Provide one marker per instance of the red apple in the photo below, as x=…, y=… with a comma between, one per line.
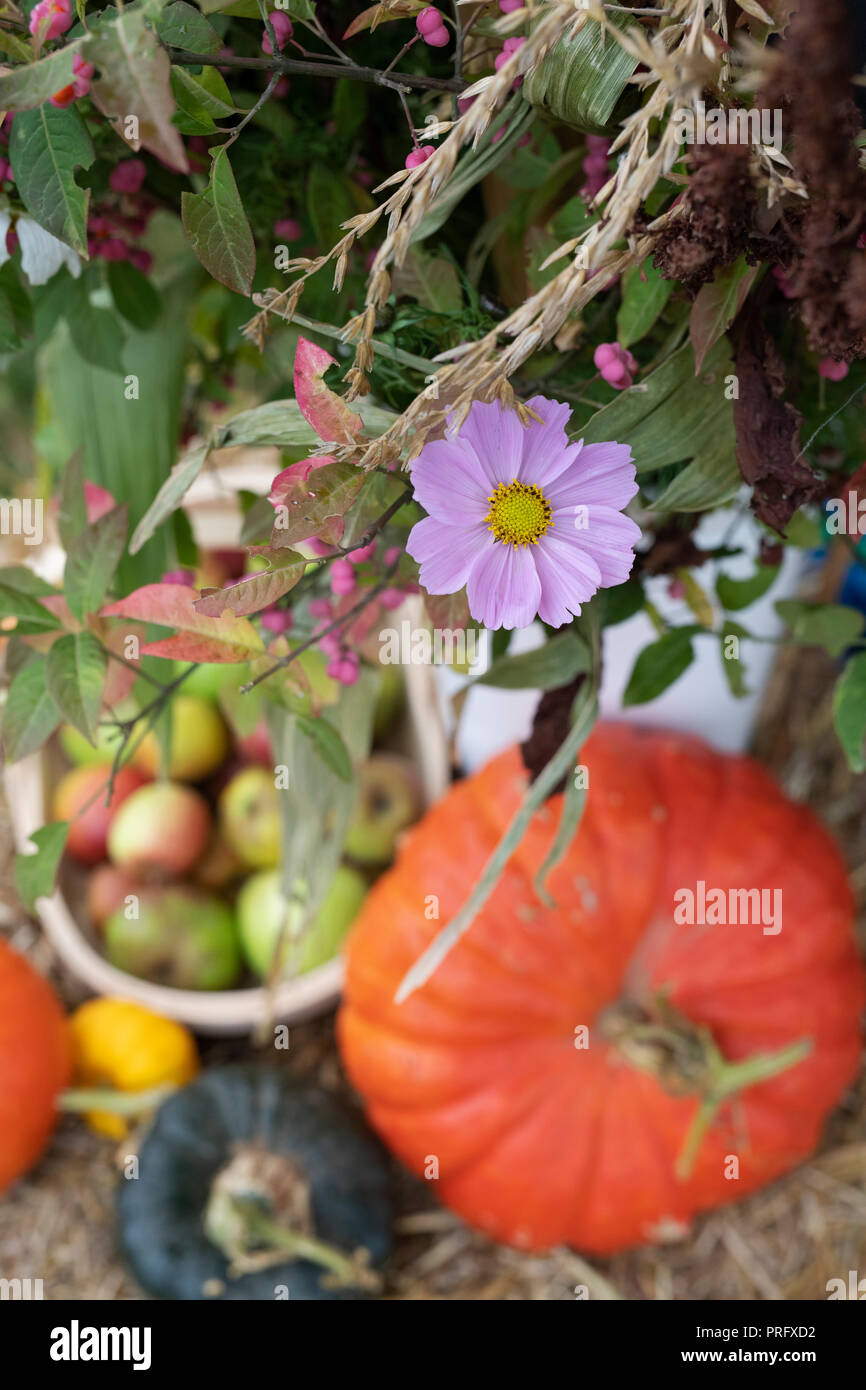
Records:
x=256, y=747
x=89, y=828
x=160, y=831
x=107, y=890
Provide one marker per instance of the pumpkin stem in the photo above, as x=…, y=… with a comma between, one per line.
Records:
x=684, y=1058
x=76, y=1100
x=259, y=1214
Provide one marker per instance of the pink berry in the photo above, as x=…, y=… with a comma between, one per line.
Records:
x=57, y=13
x=464, y=103
x=392, y=554
x=511, y=45
x=345, y=668
x=283, y=31
x=391, y=598
x=64, y=97
x=321, y=608
x=509, y=6
x=288, y=228
x=141, y=259
x=831, y=369
x=364, y=552
x=437, y=38
x=342, y=577
x=128, y=176
x=177, y=577
x=428, y=20
x=5, y=170
x=276, y=619
x=419, y=156
x=616, y=364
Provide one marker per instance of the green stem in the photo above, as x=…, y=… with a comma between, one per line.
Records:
x=80, y=1100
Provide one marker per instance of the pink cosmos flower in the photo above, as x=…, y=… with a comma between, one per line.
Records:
x=529, y=522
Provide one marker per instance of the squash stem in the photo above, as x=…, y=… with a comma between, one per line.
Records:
x=78, y=1100
x=261, y=1230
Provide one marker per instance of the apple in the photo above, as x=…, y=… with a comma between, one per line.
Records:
x=207, y=678
x=218, y=865
x=256, y=747
x=107, y=890
x=160, y=830
x=249, y=817
x=389, y=800
x=199, y=741
x=89, y=828
x=179, y=937
x=82, y=752
x=389, y=701
x=261, y=913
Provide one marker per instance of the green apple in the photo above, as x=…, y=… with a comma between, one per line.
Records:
x=249, y=817
x=199, y=741
x=262, y=910
x=82, y=752
x=389, y=800
x=180, y=937
x=389, y=701
x=207, y=679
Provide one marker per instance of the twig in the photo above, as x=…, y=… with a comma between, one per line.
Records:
x=182, y=57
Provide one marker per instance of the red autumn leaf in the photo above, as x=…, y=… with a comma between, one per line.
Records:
x=285, y=483
x=321, y=407
x=98, y=501
x=199, y=637
x=256, y=591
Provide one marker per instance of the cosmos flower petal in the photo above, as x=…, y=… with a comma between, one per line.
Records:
x=603, y=473
x=547, y=450
x=445, y=553
x=496, y=435
x=446, y=477
x=607, y=536
x=504, y=589
x=569, y=577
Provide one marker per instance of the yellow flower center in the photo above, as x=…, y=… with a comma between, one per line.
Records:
x=519, y=513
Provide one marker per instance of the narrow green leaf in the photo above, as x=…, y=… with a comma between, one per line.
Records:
x=32, y=616
x=545, y=668
x=135, y=298
x=91, y=562
x=170, y=496
x=46, y=146
x=328, y=744
x=30, y=716
x=735, y=594
x=35, y=873
x=717, y=305
x=832, y=626
x=644, y=295
x=218, y=230
x=849, y=711
x=732, y=666
x=659, y=665
x=584, y=712
x=582, y=78
x=74, y=678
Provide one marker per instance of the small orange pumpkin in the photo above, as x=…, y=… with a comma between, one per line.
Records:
x=35, y=1061
x=696, y=1034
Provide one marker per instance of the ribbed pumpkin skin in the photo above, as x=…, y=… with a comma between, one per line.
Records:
x=540, y=1143
x=35, y=1058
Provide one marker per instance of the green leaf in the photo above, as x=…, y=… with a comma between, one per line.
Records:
x=584, y=712
x=72, y=510
x=644, y=295
x=328, y=744
x=32, y=616
x=74, y=678
x=516, y=118
x=30, y=715
x=92, y=561
x=183, y=26
x=622, y=602
x=204, y=96
x=170, y=495
x=16, y=311
x=135, y=297
x=25, y=87
x=546, y=668
x=35, y=873
x=134, y=80
x=849, y=711
x=581, y=79
x=659, y=665
x=46, y=146
x=316, y=507
x=218, y=230
x=328, y=203
x=675, y=419
x=832, y=626
x=717, y=305
x=258, y=590
x=732, y=666
x=97, y=335
x=349, y=107
x=432, y=280
x=735, y=594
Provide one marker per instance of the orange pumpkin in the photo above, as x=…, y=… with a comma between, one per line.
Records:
x=35, y=1060
x=482, y=1077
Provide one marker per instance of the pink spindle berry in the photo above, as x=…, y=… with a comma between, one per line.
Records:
x=431, y=27
x=57, y=13
x=508, y=48
x=464, y=103
x=420, y=155
x=289, y=229
x=128, y=176
x=831, y=369
x=391, y=598
x=64, y=97
x=345, y=668
x=178, y=577
x=342, y=577
x=364, y=552
x=276, y=619
x=509, y=6
x=5, y=170
x=283, y=31
x=595, y=165
x=616, y=364
x=321, y=608
x=83, y=73
x=392, y=554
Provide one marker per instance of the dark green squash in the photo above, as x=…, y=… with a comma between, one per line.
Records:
x=247, y=1149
